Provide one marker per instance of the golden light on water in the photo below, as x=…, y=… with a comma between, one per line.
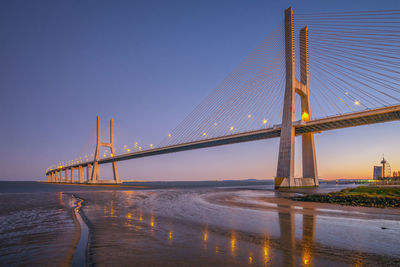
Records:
x=140, y=216
x=170, y=235
x=152, y=221
x=233, y=242
x=251, y=258
x=306, y=258
x=266, y=251
x=129, y=216
x=112, y=211
x=205, y=237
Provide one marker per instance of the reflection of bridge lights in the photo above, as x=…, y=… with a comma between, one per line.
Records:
x=251, y=258
x=357, y=103
x=205, y=237
x=266, y=251
x=129, y=216
x=170, y=235
x=152, y=221
x=233, y=242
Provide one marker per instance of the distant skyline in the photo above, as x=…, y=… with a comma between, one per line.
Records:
x=148, y=64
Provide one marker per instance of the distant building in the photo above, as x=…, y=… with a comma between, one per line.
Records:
x=377, y=172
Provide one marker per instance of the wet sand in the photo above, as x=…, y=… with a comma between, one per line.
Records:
x=225, y=227
x=36, y=229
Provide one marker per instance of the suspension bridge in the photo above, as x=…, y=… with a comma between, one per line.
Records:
x=348, y=74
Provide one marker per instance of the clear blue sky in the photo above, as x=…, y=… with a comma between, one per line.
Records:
x=147, y=64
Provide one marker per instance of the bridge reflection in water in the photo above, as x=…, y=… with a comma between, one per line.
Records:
x=144, y=228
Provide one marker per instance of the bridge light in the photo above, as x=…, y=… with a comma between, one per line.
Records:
x=151, y=145
x=232, y=128
x=204, y=134
x=357, y=103
x=215, y=124
x=249, y=116
x=111, y=154
x=347, y=93
x=128, y=150
x=305, y=116
x=264, y=121
x=169, y=135
x=140, y=148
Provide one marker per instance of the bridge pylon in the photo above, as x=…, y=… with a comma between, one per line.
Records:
x=285, y=172
x=95, y=174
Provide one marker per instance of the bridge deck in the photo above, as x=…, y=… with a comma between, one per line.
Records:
x=372, y=116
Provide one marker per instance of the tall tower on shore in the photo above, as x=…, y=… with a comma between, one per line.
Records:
x=285, y=172
x=95, y=176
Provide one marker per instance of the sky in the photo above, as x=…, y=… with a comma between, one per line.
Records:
x=148, y=64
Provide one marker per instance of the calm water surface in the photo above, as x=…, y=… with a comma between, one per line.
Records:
x=193, y=226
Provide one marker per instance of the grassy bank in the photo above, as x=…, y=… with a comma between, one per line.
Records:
x=366, y=196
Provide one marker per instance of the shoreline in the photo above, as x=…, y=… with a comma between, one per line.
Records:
x=361, y=196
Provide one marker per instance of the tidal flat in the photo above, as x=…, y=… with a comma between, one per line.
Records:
x=195, y=226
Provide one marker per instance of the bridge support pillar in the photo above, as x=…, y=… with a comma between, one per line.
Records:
x=88, y=172
x=285, y=172
x=81, y=175
x=72, y=175
x=67, y=178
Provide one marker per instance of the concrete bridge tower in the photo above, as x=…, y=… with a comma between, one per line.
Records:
x=285, y=172
x=95, y=175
